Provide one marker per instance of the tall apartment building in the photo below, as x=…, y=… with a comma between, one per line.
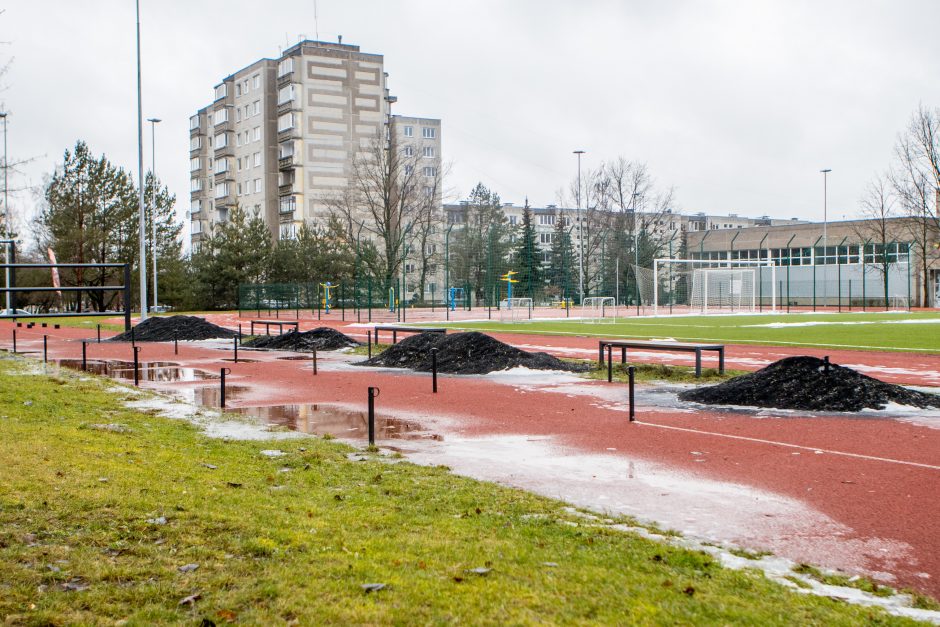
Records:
x=283, y=136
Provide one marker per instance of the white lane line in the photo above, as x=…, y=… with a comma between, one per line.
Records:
x=785, y=444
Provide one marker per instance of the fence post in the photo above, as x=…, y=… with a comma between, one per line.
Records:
x=610, y=361
x=369, y=341
x=373, y=393
x=434, y=370
x=14, y=340
x=85, y=356
x=99, y=334
x=314, y=360
x=176, y=343
x=223, y=372
x=45, y=348
x=235, y=346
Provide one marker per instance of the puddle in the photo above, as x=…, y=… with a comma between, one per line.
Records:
x=240, y=360
x=158, y=371
x=322, y=419
x=209, y=396
x=296, y=358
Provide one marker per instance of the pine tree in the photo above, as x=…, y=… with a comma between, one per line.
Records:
x=527, y=257
x=171, y=271
x=480, y=247
x=562, y=264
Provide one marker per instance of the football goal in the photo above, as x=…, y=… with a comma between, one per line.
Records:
x=599, y=309
x=709, y=286
x=514, y=309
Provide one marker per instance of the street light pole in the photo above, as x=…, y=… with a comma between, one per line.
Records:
x=6, y=208
x=580, y=232
x=825, y=173
x=141, y=220
x=153, y=203
x=447, y=272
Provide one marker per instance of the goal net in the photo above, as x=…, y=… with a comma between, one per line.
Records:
x=513, y=309
x=599, y=309
x=728, y=289
x=708, y=286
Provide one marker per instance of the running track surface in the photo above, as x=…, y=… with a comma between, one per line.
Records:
x=877, y=478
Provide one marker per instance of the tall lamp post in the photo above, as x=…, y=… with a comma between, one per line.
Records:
x=153, y=204
x=825, y=173
x=141, y=220
x=580, y=232
x=447, y=271
x=6, y=208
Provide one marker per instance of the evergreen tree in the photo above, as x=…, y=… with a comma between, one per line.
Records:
x=171, y=271
x=90, y=216
x=527, y=257
x=480, y=246
x=563, y=264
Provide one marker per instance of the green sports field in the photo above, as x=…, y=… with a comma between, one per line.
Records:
x=910, y=332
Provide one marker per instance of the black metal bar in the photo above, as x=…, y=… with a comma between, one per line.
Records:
x=80, y=288
x=45, y=348
x=99, y=334
x=136, y=365
x=314, y=360
x=235, y=346
x=133, y=337
x=610, y=362
x=84, y=355
x=721, y=360
x=224, y=372
x=826, y=363
x=83, y=314
x=373, y=392
x=631, y=377
x=698, y=362
x=176, y=343
x=369, y=341
x=14, y=340
x=127, y=297
x=61, y=265
x=434, y=370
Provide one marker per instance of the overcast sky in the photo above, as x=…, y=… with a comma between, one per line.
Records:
x=736, y=104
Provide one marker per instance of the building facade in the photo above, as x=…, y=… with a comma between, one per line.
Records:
x=282, y=136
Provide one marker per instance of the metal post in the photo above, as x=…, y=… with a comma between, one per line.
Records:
x=136, y=365
x=99, y=334
x=826, y=364
x=176, y=343
x=314, y=360
x=369, y=284
x=580, y=233
x=153, y=202
x=14, y=340
x=631, y=377
x=85, y=356
x=373, y=393
x=141, y=220
x=434, y=370
x=127, y=297
x=369, y=341
x=45, y=348
x=223, y=372
x=610, y=367
x=6, y=209
x=235, y=347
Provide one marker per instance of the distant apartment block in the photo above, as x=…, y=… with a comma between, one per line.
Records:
x=282, y=136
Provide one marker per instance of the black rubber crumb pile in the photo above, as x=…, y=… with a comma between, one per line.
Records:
x=168, y=328
x=322, y=339
x=465, y=353
x=804, y=383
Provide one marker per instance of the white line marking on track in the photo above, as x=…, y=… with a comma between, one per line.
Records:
x=788, y=445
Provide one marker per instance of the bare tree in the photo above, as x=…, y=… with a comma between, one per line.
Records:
x=878, y=209
x=387, y=197
x=916, y=182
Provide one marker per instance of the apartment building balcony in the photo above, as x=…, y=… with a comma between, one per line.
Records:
x=288, y=133
x=287, y=163
x=287, y=106
x=228, y=150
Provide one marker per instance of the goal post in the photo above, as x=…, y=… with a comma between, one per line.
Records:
x=513, y=309
x=708, y=284
x=597, y=308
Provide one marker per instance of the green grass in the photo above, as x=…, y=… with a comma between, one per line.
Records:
x=880, y=331
x=661, y=372
x=294, y=538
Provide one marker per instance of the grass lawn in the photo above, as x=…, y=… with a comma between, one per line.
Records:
x=868, y=331
x=151, y=522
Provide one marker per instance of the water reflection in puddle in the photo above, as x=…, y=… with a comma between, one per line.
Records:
x=209, y=396
x=157, y=371
x=327, y=419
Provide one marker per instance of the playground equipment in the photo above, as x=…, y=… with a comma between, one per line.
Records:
x=509, y=281
x=327, y=299
x=454, y=295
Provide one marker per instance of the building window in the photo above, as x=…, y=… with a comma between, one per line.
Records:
x=409, y=169
x=195, y=185
x=221, y=190
x=257, y=133
x=220, y=116
x=194, y=122
x=428, y=151
x=285, y=67
x=430, y=171
x=409, y=131
x=194, y=164
x=428, y=133
x=195, y=206
x=245, y=86
x=429, y=191
x=257, y=186
x=285, y=149
x=220, y=91
x=221, y=166
x=409, y=151
x=545, y=238
x=285, y=122
x=256, y=107
x=195, y=143
x=238, y=139
x=285, y=94
x=239, y=192
x=221, y=140
x=257, y=80
x=287, y=204
x=238, y=89
x=257, y=158
x=288, y=231
x=546, y=219
x=512, y=220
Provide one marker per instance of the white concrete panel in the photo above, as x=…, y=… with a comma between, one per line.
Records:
x=316, y=98
x=319, y=125
x=320, y=153
x=367, y=65
x=325, y=168
x=371, y=130
x=365, y=76
x=338, y=72
x=322, y=84
x=365, y=102
x=327, y=112
x=327, y=140
x=370, y=90
x=328, y=181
